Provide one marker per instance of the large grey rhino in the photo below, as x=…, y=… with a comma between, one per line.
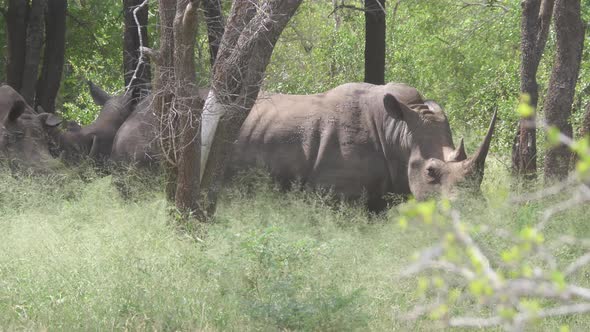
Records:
x=358, y=139
x=23, y=132
x=96, y=139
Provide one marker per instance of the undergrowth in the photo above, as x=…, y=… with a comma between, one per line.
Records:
x=75, y=254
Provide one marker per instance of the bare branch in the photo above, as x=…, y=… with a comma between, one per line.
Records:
x=578, y=264
x=153, y=54
x=487, y=4
x=140, y=60
x=474, y=250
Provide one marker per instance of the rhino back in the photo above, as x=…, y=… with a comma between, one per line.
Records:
x=330, y=140
x=135, y=141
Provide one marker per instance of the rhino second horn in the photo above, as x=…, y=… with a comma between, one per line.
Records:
x=459, y=154
x=94, y=149
x=479, y=158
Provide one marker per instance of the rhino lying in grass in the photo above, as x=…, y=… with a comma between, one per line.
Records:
x=359, y=139
x=96, y=139
x=136, y=141
x=24, y=140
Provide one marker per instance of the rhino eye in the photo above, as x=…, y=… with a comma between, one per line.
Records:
x=433, y=174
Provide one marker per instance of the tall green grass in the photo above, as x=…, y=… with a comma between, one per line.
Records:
x=75, y=255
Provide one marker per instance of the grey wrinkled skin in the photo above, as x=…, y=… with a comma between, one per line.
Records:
x=358, y=139
x=23, y=133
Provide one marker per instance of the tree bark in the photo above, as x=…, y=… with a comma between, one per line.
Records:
x=251, y=33
x=375, y=41
x=569, y=29
x=163, y=92
x=35, y=33
x=585, y=129
x=16, y=27
x=131, y=45
x=215, y=26
x=53, y=57
x=188, y=106
x=536, y=19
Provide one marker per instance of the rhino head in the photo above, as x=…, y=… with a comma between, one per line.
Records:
x=95, y=140
x=24, y=141
x=435, y=166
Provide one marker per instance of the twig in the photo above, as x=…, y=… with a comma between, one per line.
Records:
x=544, y=193
x=577, y=264
x=472, y=248
x=485, y=4
x=140, y=61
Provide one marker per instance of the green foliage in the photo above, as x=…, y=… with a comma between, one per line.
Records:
x=525, y=254
x=465, y=58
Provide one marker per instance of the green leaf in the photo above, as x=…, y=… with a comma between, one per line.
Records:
x=524, y=108
x=439, y=312
x=553, y=135
x=559, y=279
x=403, y=223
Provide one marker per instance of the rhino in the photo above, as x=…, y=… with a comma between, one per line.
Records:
x=96, y=139
x=24, y=139
x=136, y=141
x=360, y=140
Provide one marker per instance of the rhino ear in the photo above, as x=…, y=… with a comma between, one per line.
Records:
x=99, y=96
x=393, y=107
x=17, y=109
x=49, y=119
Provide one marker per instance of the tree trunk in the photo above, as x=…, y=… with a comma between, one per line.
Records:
x=131, y=45
x=188, y=105
x=53, y=57
x=585, y=130
x=162, y=92
x=569, y=29
x=245, y=52
x=215, y=26
x=536, y=19
x=375, y=41
x=35, y=33
x=16, y=27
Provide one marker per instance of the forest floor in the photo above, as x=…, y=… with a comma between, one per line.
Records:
x=75, y=255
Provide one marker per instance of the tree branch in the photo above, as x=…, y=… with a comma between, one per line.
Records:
x=140, y=60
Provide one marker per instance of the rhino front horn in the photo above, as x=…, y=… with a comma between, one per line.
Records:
x=477, y=161
x=459, y=154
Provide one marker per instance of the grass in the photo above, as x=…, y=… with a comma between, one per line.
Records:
x=75, y=255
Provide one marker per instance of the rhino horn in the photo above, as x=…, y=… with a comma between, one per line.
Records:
x=94, y=149
x=459, y=154
x=477, y=161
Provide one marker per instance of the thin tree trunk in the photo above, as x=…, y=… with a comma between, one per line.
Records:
x=246, y=49
x=215, y=26
x=35, y=33
x=585, y=130
x=53, y=57
x=131, y=45
x=535, y=23
x=335, y=14
x=162, y=92
x=16, y=27
x=188, y=105
x=569, y=29
x=375, y=41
